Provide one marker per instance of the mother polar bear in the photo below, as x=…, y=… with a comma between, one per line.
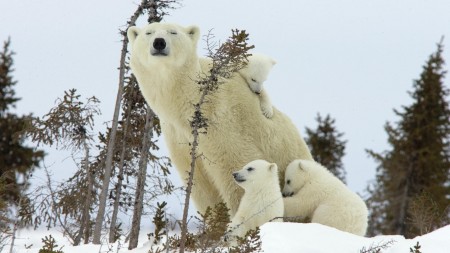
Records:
x=165, y=62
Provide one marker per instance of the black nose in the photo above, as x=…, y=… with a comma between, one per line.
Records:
x=235, y=174
x=159, y=44
x=287, y=194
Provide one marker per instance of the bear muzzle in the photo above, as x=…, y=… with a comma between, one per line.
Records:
x=287, y=194
x=159, y=47
x=238, y=178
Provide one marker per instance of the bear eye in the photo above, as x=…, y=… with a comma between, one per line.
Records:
x=253, y=80
x=173, y=32
x=250, y=169
x=148, y=33
x=288, y=182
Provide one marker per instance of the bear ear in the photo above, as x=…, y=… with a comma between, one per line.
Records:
x=273, y=167
x=300, y=165
x=132, y=33
x=193, y=32
x=273, y=61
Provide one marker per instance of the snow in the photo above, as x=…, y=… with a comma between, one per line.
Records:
x=276, y=238
x=294, y=237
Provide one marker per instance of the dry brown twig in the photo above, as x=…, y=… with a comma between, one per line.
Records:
x=226, y=60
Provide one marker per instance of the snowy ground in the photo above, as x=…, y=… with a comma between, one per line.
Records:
x=276, y=238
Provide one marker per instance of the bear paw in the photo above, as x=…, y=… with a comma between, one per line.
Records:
x=267, y=110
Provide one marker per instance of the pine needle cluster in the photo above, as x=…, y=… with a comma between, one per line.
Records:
x=424, y=213
x=208, y=238
x=50, y=245
x=67, y=124
x=415, y=248
x=160, y=222
x=327, y=146
x=213, y=224
x=17, y=161
x=227, y=59
x=250, y=243
x=376, y=248
x=211, y=227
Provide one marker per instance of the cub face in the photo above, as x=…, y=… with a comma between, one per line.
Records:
x=295, y=177
x=256, y=173
x=158, y=43
x=257, y=71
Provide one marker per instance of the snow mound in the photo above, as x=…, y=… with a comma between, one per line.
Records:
x=276, y=237
x=295, y=237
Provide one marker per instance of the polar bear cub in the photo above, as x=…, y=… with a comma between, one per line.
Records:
x=313, y=192
x=262, y=201
x=255, y=74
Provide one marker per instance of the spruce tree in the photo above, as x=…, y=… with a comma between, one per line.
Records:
x=16, y=159
x=326, y=145
x=418, y=164
x=68, y=126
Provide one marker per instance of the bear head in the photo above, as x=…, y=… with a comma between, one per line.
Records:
x=257, y=70
x=256, y=174
x=162, y=43
x=297, y=174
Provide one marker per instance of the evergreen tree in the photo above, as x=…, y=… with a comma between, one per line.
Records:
x=326, y=146
x=418, y=163
x=16, y=159
x=69, y=125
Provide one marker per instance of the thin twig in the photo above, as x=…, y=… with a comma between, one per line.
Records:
x=227, y=59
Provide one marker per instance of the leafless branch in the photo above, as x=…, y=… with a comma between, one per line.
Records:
x=228, y=58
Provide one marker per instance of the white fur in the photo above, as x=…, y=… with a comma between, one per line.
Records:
x=255, y=74
x=237, y=132
x=262, y=201
x=320, y=196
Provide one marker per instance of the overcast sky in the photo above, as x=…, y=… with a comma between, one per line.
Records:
x=352, y=59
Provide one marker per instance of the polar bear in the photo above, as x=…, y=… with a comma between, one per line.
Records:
x=255, y=74
x=165, y=62
x=314, y=193
x=262, y=200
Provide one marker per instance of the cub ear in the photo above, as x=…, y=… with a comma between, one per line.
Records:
x=273, y=167
x=132, y=33
x=193, y=32
x=273, y=61
x=300, y=165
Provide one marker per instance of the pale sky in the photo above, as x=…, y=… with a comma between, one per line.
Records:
x=352, y=59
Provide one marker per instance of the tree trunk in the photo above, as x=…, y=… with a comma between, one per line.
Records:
x=85, y=214
x=88, y=203
x=194, y=147
x=139, y=197
x=401, y=219
x=62, y=223
x=112, y=228
x=77, y=239
x=109, y=157
x=108, y=164
x=120, y=176
x=13, y=235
